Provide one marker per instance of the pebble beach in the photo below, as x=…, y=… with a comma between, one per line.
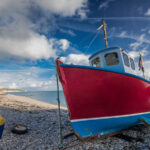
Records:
x=41, y=120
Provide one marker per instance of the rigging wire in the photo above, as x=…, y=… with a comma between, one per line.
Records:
x=91, y=42
x=89, y=36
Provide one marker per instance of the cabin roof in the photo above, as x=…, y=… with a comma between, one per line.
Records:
x=106, y=49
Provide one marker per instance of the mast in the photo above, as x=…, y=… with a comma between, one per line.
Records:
x=105, y=34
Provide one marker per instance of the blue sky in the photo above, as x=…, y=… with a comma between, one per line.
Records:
x=34, y=32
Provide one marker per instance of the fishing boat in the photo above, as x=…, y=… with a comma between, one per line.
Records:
x=108, y=95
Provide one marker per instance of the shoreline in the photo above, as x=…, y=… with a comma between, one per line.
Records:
x=38, y=116
x=34, y=101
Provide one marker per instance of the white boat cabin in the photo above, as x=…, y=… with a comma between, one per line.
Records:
x=113, y=59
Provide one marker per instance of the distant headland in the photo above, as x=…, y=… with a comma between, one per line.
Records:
x=3, y=90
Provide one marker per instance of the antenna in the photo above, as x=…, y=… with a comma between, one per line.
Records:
x=105, y=33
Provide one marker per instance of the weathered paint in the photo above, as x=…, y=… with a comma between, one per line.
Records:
x=103, y=126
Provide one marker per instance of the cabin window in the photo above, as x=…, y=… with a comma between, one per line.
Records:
x=126, y=59
x=111, y=59
x=96, y=62
x=132, y=63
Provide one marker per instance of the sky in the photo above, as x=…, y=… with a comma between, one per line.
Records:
x=33, y=33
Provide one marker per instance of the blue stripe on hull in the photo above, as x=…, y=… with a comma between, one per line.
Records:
x=86, y=128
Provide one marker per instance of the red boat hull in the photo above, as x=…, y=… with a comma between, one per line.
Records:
x=92, y=93
x=103, y=101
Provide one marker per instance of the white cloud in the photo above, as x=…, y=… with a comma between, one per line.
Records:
x=64, y=7
x=20, y=40
x=139, y=38
x=147, y=68
x=135, y=45
x=29, y=44
x=18, y=33
x=147, y=12
x=64, y=44
x=141, y=43
x=134, y=54
x=82, y=13
x=60, y=7
x=76, y=59
x=21, y=37
x=123, y=34
x=138, y=46
x=34, y=47
x=13, y=86
x=70, y=32
x=27, y=79
x=105, y=4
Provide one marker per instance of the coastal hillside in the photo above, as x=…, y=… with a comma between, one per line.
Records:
x=10, y=90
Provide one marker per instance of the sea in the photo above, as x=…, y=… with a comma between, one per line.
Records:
x=46, y=96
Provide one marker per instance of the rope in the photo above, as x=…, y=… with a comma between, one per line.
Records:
x=60, y=141
x=91, y=42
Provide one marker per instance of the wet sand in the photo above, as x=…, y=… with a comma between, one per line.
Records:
x=41, y=120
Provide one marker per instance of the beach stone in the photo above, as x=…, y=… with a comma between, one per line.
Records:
x=41, y=120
